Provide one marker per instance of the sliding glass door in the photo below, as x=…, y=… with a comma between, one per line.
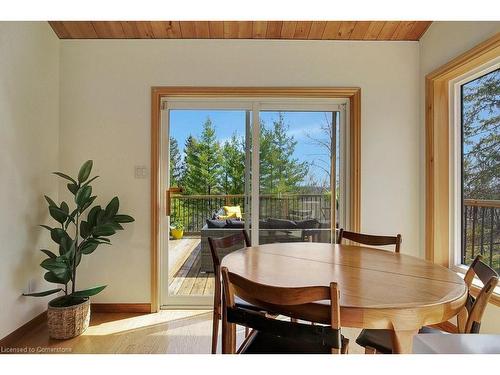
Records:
x=299, y=177
x=275, y=169
x=207, y=166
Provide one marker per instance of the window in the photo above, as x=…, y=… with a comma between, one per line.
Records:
x=475, y=187
x=444, y=224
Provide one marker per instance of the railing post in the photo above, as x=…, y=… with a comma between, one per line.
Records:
x=474, y=218
x=464, y=225
x=483, y=209
x=491, y=235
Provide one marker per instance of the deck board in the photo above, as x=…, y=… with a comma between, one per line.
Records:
x=179, y=252
x=189, y=280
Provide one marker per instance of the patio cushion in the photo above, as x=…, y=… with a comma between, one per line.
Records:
x=232, y=211
x=307, y=224
x=264, y=224
x=281, y=224
x=216, y=223
x=235, y=224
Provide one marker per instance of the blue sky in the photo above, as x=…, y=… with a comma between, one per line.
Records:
x=227, y=122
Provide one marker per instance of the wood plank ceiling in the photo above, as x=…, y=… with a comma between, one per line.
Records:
x=300, y=30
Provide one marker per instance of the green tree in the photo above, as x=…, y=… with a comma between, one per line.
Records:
x=279, y=171
x=203, y=162
x=175, y=163
x=191, y=165
x=233, y=165
x=481, y=136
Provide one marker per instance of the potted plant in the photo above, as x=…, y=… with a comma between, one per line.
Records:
x=78, y=232
x=177, y=229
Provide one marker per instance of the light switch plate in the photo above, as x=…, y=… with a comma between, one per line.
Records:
x=141, y=171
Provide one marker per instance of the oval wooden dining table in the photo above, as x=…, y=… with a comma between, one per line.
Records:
x=378, y=289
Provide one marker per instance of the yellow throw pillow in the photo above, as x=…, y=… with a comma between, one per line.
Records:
x=232, y=212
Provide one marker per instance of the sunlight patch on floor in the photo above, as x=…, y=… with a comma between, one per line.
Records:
x=168, y=319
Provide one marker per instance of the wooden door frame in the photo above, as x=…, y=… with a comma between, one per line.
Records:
x=157, y=93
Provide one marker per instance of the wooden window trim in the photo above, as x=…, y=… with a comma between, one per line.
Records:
x=157, y=93
x=437, y=148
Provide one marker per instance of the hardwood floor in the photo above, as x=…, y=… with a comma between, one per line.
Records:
x=168, y=331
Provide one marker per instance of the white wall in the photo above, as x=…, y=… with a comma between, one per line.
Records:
x=29, y=141
x=442, y=42
x=445, y=40
x=105, y=115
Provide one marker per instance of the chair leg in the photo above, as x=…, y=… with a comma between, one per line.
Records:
x=215, y=331
x=216, y=318
x=225, y=330
x=370, y=350
x=345, y=346
x=217, y=309
x=231, y=338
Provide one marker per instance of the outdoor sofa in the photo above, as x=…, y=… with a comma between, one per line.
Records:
x=271, y=230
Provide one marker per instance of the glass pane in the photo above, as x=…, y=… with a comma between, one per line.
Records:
x=481, y=169
x=295, y=175
x=207, y=160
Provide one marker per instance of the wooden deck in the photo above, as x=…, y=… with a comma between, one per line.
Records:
x=186, y=279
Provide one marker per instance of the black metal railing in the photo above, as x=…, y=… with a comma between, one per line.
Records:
x=481, y=231
x=193, y=210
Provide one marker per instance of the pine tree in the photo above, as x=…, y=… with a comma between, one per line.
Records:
x=191, y=165
x=175, y=163
x=203, y=162
x=279, y=171
x=481, y=133
x=233, y=165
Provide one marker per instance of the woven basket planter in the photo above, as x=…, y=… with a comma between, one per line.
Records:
x=68, y=322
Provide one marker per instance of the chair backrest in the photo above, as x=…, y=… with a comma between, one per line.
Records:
x=217, y=244
x=469, y=320
x=328, y=336
x=369, y=239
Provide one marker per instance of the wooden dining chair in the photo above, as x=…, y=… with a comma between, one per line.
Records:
x=468, y=320
x=274, y=336
x=217, y=245
x=369, y=239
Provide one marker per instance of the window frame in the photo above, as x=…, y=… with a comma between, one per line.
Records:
x=456, y=193
x=437, y=221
